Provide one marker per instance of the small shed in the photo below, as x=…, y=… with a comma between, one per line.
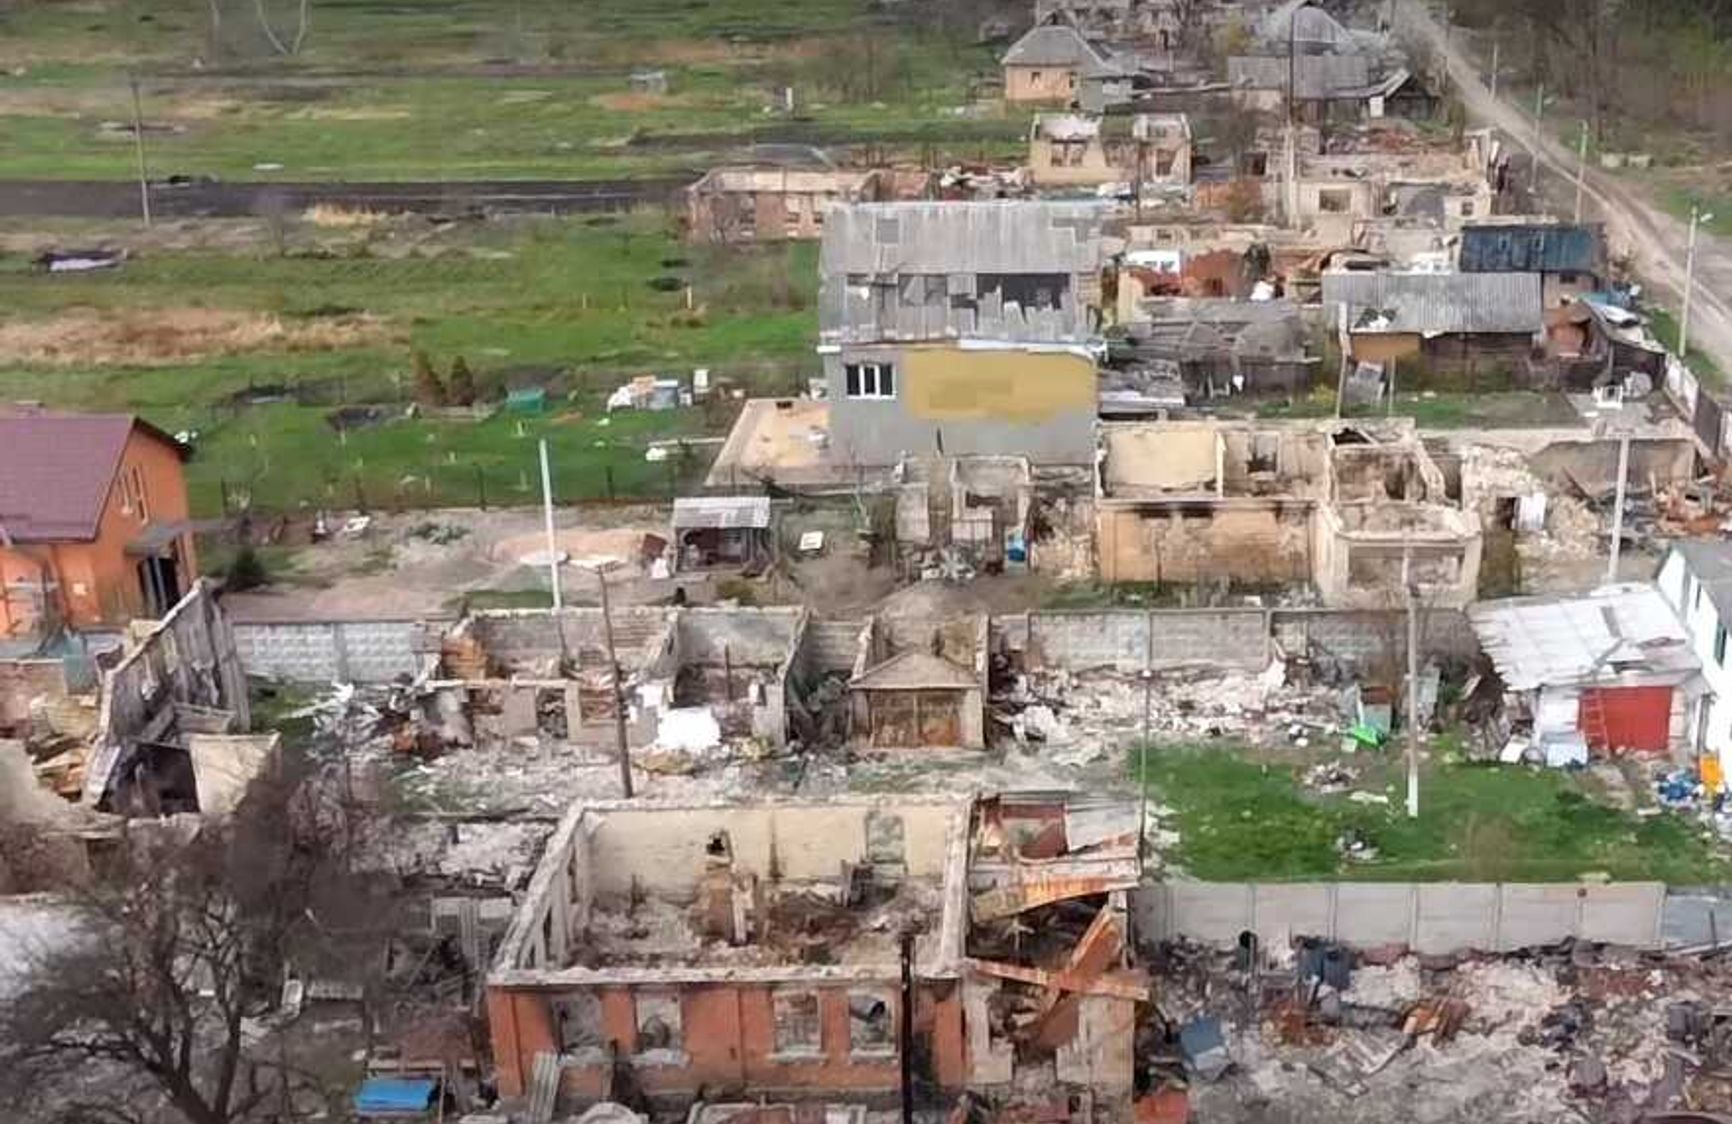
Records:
x=1609, y=671
x=722, y=533
x=917, y=700
x=396, y=1098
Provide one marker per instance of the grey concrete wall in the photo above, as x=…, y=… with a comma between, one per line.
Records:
x=1125, y=639
x=876, y=432
x=1435, y=917
x=1128, y=641
x=749, y=636
x=330, y=651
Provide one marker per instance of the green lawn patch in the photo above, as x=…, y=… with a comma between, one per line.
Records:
x=1241, y=817
x=1665, y=327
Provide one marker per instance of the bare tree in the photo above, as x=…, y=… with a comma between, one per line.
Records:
x=293, y=46
x=174, y=960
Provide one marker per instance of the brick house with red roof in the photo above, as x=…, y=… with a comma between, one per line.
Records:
x=94, y=527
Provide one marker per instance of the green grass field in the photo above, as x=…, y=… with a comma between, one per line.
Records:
x=1242, y=818
x=565, y=305
x=478, y=89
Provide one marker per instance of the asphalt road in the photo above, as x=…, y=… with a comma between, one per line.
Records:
x=118, y=199
x=1654, y=240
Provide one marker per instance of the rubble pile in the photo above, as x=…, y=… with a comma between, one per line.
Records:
x=1084, y=716
x=1576, y=1032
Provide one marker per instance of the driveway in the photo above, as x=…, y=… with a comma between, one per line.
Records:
x=1653, y=240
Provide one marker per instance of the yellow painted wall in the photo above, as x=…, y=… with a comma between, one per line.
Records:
x=946, y=384
x=1383, y=347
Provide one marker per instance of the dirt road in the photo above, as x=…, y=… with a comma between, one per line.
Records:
x=1653, y=239
x=116, y=198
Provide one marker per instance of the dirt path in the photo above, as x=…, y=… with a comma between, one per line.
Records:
x=1653, y=239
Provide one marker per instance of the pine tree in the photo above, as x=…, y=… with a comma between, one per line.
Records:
x=429, y=391
x=460, y=387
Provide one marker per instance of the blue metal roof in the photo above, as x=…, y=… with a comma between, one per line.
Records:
x=395, y=1096
x=1535, y=248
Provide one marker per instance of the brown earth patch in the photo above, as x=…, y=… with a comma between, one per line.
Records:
x=154, y=337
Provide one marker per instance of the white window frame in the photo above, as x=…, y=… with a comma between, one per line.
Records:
x=869, y=381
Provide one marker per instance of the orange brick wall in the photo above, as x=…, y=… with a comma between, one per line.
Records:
x=98, y=579
x=728, y=1035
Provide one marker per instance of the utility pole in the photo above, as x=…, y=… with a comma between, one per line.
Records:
x=138, y=151
x=1618, y=509
x=1539, y=115
x=1697, y=218
x=547, y=518
x=1581, y=168
x=1412, y=683
x=1292, y=63
x=1496, y=42
x=1143, y=767
x=618, y=694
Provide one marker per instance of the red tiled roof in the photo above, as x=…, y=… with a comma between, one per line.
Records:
x=56, y=471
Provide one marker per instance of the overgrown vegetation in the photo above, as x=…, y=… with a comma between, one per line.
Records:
x=288, y=419
x=1242, y=816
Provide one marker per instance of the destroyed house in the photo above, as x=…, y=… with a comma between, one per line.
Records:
x=1570, y=258
x=1437, y=322
x=173, y=730
x=960, y=329
x=1154, y=22
x=1327, y=87
x=1077, y=150
x=1224, y=347
x=1351, y=510
x=985, y=521
x=688, y=678
x=752, y=204
x=93, y=522
x=921, y=686
x=1050, y=988
x=722, y=532
x=758, y=948
x=1609, y=671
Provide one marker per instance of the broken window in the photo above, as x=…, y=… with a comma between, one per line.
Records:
x=799, y=1029
x=869, y=380
x=924, y=290
x=550, y=712
x=577, y=1018
x=1029, y=290
x=1467, y=208
x=1164, y=161
x=719, y=847
x=659, y=1023
x=884, y=839
x=871, y=1027
x=1069, y=153
x=1265, y=453
x=1334, y=200
x=1254, y=164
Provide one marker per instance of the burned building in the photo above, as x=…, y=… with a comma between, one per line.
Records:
x=798, y=949
x=1356, y=511
x=173, y=730
x=964, y=511
x=749, y=204
x=773, y=948
x=961, y=328
x=1080, y=150
x=1222, y=348
x=917, y=685
x=688, y=678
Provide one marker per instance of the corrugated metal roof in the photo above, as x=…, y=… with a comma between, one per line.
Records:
x=1005, y=236
x=1537, y=247
x=1314, y=76
x=1437, y=303
x=1550, y=641
x=721, y=512
x=1297, y=22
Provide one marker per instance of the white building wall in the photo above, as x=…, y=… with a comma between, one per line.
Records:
x=1709, y=725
